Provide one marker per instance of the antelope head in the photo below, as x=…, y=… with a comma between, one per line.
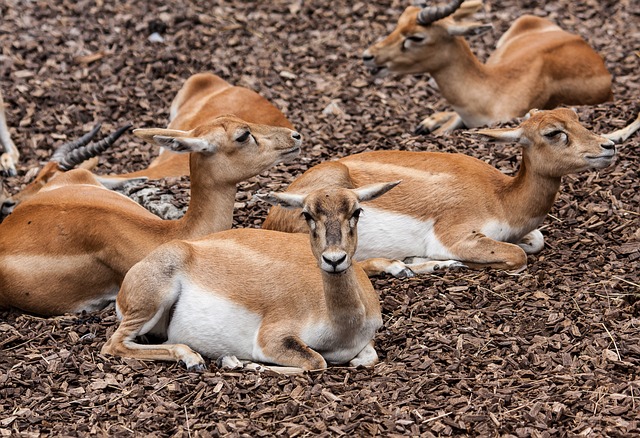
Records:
x=236, y=150
x=332, y=216
x=421, y=40
x=556, y=144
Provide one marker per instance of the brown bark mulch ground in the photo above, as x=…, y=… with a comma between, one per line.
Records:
x=553, y=351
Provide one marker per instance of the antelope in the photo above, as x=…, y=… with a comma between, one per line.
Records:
x=257, y=295
x=536, y=64
x=456, y=207
x=9, y=154
x=205, y=96
x=75, y=226
x=83, y=152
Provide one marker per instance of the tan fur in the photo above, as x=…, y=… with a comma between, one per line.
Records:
x=204, y=97
x=269, y=274
x=68, y=247
x=536, y=65
x=460, y=194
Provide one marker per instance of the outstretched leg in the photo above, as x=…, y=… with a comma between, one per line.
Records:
x=622, y=134
x=378, y=266
x=149, y=291
x=122, y=343
x=427, y=266
x=407, y=269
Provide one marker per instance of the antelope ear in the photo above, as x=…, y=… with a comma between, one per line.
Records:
x=286, y=200
x=505, y=135
x=176, y=140
x=466, y=28
x=372, y=191
x=531, y=112
x=466, y=9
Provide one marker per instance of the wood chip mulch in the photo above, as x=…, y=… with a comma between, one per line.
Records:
x=553, y=351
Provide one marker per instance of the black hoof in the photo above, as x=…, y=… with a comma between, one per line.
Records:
x=197, y=368
x=406, y=273
x=421, y=130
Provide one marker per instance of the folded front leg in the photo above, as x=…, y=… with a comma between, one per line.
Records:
x=480, y=251
x=367, y=357
x=532, y=243
x=280, y=347
x=440, y=123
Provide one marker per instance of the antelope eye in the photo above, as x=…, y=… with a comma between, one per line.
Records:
x=411, y=39
x=307, y=216
x=416, y=38
x=356, y=213
x=553, y=134
x=243, y=137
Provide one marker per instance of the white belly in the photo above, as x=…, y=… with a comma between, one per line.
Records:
x=382, y=233
x=214, y=326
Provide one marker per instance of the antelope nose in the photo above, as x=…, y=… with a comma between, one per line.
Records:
x=296, y=135
x=334, y=259
x=608, y=145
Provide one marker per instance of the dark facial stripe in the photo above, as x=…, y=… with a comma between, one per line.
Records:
x=334, y=232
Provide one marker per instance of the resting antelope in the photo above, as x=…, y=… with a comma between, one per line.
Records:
x=456, y=207
x=535, y=65
x=258, y=295
x=8, y=151
x=66, y=157
x=205, y=96
x=68, y=248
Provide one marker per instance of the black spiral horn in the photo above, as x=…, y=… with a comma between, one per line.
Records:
x=431, y=14
x=63, y=150
x=79, y=154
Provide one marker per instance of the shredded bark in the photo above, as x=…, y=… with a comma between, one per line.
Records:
x=553, y=351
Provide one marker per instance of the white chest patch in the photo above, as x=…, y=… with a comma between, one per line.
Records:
x=382, y=233
x=213, y=325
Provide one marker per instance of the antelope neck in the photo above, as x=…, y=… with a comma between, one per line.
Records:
x=529, y=194
x=211, y=205
x=466, y=69
x=343, y=297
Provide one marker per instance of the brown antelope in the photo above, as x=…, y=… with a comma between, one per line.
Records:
x=68, y=248
x=456, y=207
x=8, y=151
x=258, y=295
x=535, y=65
x=78, y=152
x=205, y=96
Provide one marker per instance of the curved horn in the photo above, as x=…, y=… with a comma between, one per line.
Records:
x=63, y=150
x=431, y=14
x=83, y=153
